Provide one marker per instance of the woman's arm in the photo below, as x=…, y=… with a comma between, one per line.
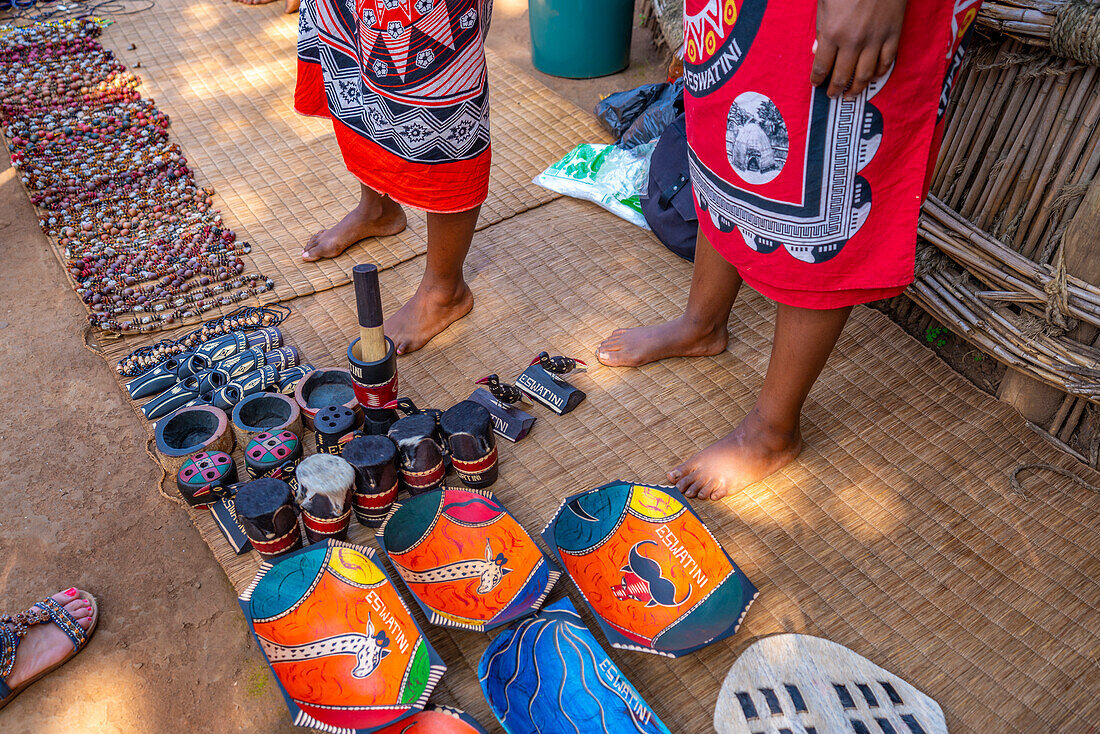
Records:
x=857, y=41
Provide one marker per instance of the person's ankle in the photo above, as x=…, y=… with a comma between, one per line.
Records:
x=444, y=292
x=371, y=210
x=779, y=433
x=702, y=327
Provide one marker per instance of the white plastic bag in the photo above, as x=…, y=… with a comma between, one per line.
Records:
x=608, y=175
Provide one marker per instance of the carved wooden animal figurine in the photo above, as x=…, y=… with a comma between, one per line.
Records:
x=502, y=391
x=559, y=365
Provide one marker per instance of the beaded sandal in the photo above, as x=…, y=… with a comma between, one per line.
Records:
x=44, y=611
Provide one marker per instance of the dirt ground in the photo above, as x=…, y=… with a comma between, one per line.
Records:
x=172, y=651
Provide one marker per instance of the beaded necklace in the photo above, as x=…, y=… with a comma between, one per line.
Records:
x=144, y=245
x=246, y=318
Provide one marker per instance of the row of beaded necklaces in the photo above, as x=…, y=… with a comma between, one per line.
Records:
x=246, y=318
x=144, y=246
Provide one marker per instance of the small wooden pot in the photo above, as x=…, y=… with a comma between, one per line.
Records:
x=206, y=477
x=189, y=431
x=273, y=455
x=322, y=388
x=265, y=412
x=375, y=382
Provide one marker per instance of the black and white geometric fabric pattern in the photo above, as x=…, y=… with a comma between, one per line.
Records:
x=408, y=75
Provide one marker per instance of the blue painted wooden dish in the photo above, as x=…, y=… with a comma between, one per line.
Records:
x=649, y=569
x=548, y=675
x=467, y=562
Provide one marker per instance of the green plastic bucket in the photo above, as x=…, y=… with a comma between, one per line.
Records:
x=581, y=39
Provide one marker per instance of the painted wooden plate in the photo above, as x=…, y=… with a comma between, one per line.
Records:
x=788, y=682
x=347, y=653
x=652, y=573
x=467, y=562
x=436, y=720
x=548, y=675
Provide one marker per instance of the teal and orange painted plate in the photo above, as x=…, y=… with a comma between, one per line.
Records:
x=348, y=655
x=649, y=569
x=465, y=559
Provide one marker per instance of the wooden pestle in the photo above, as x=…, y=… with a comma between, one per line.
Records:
x=368, y=302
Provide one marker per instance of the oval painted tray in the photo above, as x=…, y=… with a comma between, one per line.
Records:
x=790, y=682
x=467, y=562
x=548, y=675
x=348, y=655
x=436, y=720
x=651, y=572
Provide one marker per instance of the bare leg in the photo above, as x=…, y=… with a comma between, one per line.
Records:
x=375, y=216
x=700, y=332
x=770, y=436
x=292, y=6
x=443, y=296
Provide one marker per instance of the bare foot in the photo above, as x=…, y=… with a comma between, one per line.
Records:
x=45, y=645
x=292, y=6
x=360, y=223
x=254, y=2
x=426, y=314
x=749, y=453
x=678, y=338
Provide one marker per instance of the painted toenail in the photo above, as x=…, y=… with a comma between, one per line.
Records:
x=70, y=592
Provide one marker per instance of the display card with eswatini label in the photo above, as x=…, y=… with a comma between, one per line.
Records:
x=651, y=571
x=347, y=653
x=465, y=559
x=548, y=675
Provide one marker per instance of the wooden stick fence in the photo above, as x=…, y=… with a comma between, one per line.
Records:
x=1021, y=146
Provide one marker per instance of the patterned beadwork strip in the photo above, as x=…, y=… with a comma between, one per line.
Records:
x=143, y=245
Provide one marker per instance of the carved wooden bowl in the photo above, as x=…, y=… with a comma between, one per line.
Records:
x=265, y=411
x=189, y=431
x=345, y=650
x=322, y=388
x=652, y=573
x=467, y=562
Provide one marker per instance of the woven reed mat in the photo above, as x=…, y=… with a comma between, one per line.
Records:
x=225, y=74
x=895, y=533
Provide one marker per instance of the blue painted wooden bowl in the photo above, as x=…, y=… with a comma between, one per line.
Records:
x=548, y=675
